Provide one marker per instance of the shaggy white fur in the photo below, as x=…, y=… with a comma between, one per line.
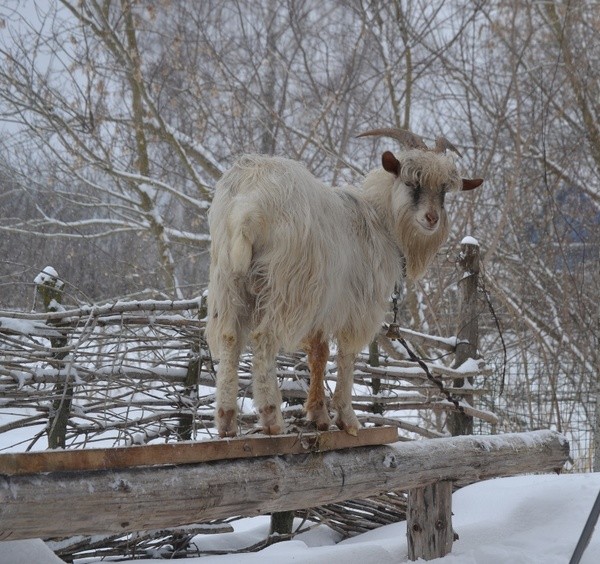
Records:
x=295, y=261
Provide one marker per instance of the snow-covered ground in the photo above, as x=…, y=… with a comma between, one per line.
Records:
x=520, y=520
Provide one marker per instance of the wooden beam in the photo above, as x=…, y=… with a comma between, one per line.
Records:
x=189, y=452
x=58, y=504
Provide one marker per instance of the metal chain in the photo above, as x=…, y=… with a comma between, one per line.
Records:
x=395, y=297
x=394, y=334
x=437, y=381
x=490, y=305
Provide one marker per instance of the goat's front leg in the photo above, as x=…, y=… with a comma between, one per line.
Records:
x=267, y=396
x=227, y=386
x=342, y=398
x=316, y=407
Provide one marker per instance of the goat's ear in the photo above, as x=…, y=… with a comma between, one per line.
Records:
x=471, y=183
x=390, y=163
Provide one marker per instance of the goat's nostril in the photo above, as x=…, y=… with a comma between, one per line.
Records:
x=432, y=218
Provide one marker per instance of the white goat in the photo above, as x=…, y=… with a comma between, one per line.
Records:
x=295, y=263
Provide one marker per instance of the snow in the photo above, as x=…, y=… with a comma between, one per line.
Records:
x=48, y=274
x=468, y=240
x=27, y=551
x=470, y=365
x=27, y=327
x=521, y=520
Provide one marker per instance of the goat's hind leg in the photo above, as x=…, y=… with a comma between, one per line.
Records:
x=316, y=407
x=227, y=386
x=265, y=388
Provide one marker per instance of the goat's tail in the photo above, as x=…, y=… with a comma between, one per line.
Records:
x=228, y=304
x=240, y=249
x=233, y=227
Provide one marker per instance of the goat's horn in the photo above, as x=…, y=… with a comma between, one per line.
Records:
x=405, y=137
x=442, y=144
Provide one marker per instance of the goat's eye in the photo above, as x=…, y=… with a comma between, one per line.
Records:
x=415, y=189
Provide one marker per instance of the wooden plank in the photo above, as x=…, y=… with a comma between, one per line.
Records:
x=189, y=452
x=59, y=504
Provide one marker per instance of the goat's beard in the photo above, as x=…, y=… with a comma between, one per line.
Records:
x=418, y=244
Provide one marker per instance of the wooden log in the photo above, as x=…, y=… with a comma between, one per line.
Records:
x=110, y=308
x=58, y=504
x=429, y=521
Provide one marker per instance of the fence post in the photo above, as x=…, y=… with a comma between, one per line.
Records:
x=50, y=289
x=189, y=394
x=596, y=433
x=468, y=328
x=429, y=521
x=375, y=382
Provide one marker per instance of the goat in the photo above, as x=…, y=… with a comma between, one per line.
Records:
x=295, y=263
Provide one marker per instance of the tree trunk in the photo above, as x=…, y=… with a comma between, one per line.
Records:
x=147, y=203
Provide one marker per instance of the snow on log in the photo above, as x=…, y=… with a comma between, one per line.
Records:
x=58, y=504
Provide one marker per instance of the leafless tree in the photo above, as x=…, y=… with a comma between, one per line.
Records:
x=118, y=117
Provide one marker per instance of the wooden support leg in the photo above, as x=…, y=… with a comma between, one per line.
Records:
x=429, y=521
x=282, y=523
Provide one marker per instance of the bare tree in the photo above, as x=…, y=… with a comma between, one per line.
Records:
x=119, y=117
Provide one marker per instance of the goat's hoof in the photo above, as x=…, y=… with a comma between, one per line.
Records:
x=226, y=423
x=272, y=430
x=271, y=420
x=319, y=417
x=314, y=426
x=350, y=429
x=349, y=424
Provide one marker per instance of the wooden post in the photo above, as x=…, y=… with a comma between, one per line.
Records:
x=429, y=521
x=282, y=522
x=190, y=393
x=192, y=381
x=50, y=289
x=596, y=432
x=468, y=328
x=375, y=382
